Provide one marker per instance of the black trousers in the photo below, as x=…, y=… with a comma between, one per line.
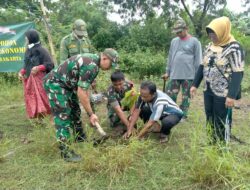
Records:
x=216, y=113
x=167, y=122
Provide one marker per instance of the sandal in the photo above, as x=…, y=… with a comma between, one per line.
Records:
x=164, y=138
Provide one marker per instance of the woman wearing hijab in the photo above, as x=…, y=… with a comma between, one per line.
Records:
x=37, y=63
x=222, y=70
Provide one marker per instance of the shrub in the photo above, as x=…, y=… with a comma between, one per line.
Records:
x=153, y=33
x=141, y=64
x=245, y=42
x=10, y=78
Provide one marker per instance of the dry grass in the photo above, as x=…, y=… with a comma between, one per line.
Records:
x=29, y=157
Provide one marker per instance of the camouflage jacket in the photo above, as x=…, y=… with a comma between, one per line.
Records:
x=71, y=46
x=114, y=98
x=80, y=70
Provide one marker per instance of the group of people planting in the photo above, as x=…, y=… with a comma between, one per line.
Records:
x=57, y=91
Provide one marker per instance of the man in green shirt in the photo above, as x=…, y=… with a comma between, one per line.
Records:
x=75, y=43
x=117, y=93
x=68, y=82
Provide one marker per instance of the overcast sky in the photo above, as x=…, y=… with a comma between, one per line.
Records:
x=235, y=6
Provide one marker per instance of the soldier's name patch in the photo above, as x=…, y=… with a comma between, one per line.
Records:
x=72, y=46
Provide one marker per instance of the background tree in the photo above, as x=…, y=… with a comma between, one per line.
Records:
x=172, y=9
x=143, y=40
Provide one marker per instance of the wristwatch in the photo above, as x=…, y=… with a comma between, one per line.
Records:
x=89, y=114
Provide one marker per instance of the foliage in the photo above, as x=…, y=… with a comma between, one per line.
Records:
x=130, y=98
x=103, y=80
x=245, y=85
x=141, y=64
x=171, y=10
x=152, y=34
x=108, y=36
x=244, y=41
x=142, y=43
x=130, y=8
x=10, y=78
x=199, y=15
x=103, y=32
x=11, y=16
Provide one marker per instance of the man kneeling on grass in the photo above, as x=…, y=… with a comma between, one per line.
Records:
x=121, y=98
x=154, y=106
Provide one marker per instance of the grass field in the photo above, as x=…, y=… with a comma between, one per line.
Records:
x=29, y=157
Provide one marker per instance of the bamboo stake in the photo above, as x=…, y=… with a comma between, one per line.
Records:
x=48, y=33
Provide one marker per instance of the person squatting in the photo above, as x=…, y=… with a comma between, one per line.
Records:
x=69, y=83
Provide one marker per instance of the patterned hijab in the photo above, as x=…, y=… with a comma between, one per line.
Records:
x=222, y=28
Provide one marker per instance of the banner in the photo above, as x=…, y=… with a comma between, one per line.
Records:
x=12, y=46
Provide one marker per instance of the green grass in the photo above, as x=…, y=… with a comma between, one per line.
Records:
x=29, y=157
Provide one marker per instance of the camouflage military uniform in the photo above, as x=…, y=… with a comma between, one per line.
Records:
x=71, y=45
x=114, y=99
x=173, y=89
x=61, y=86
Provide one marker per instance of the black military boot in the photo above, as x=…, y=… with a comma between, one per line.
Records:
x=80, y=136
x=69, y=155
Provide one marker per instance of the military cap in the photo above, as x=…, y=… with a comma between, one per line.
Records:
x=79, y=28
x=179, y=26
x=112, y=55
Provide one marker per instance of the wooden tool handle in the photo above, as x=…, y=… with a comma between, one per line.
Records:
x=100, y=129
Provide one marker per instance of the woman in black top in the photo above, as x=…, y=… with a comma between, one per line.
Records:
x=37, y=63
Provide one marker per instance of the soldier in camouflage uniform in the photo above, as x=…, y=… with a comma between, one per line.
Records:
x=70, y=81
x=115, y=93
x=76, y=43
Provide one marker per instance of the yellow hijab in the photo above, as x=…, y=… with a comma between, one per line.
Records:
x=222, y=28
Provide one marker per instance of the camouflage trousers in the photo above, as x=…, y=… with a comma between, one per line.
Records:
x=65, y=109
x=173, y=89
x=114, y=120
x=118, y=128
